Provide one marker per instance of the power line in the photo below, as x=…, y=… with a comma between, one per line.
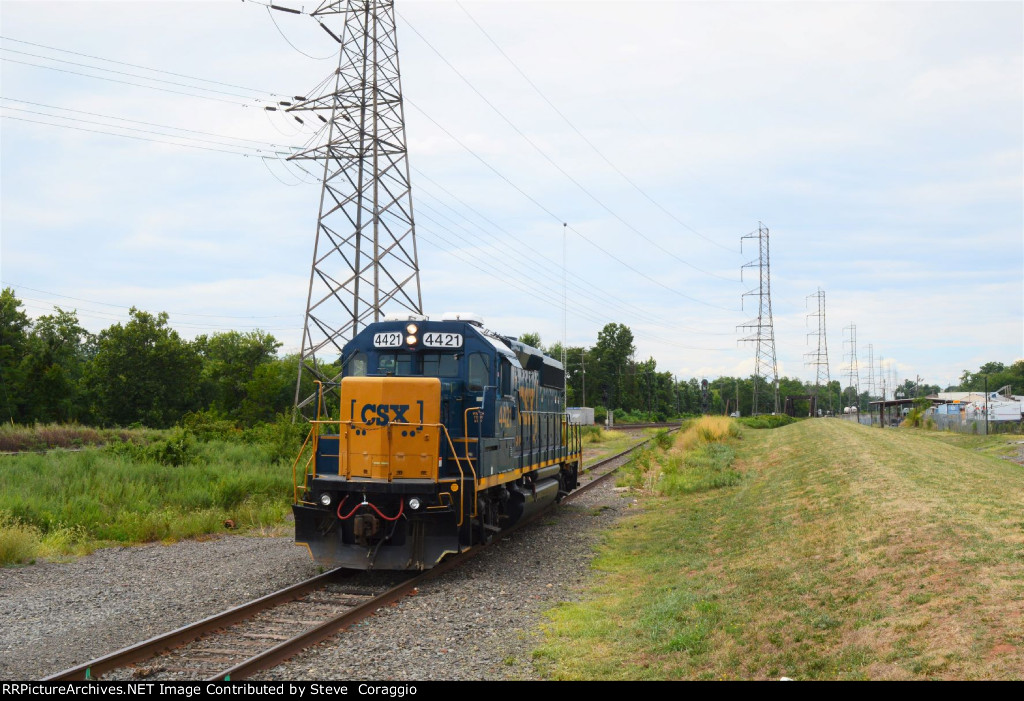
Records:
x=129, y=136
x=558, y=167
x=18, y=286
x=125, y=82
x=591, y=290
x=130, y=75
x=552, y=214
x=137, y=121
x=585, y=139
x=283, y=36
x=145, y=68
x=136, y=129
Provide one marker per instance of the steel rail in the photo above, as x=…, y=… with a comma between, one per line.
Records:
x=289, y=648
x=186, y=634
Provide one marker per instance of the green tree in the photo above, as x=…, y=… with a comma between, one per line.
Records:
x=14, y=327
x=52, y=367
x=230, y=361
x=613, y=369
x=271, y=391
x=531, y=339
x=143, y=372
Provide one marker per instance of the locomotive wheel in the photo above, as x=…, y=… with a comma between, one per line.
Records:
x=486, y=524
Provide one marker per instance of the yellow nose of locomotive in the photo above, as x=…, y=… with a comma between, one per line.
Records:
x=390, y=427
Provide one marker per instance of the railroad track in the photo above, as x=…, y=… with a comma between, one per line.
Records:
x=259, y=635
x=626, y=427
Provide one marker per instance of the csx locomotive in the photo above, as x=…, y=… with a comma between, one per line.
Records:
x=444, y=435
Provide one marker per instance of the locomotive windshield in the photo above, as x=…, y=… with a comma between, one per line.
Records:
x=412, y=364
x=440, y=365
x=395, y=364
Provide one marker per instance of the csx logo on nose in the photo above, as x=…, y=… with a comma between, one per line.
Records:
x=383, y=414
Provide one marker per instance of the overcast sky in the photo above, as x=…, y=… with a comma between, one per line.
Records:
x=880, y=143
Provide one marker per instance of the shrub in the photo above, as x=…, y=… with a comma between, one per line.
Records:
x=19, y=542
x=766, y=421
x=282, y=439
x=209, y=425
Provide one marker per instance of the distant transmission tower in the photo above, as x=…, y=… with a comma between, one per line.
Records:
x=819, y=358
x=364, y=257
x=854, y=373
x=871, y=370
x=763, y=333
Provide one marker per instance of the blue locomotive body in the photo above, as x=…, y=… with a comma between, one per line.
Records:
x=442, y=435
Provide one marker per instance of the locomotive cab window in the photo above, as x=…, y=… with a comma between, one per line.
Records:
x=506, y=377
x=479, y=371
x=395, y=364
x=356, y=366
x=440, y=365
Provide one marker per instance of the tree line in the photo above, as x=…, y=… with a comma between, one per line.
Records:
x=141, y=372
x=608, y=375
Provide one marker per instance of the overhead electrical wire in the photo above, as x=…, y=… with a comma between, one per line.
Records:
x=137, y=121
x=556, y=217
x=584, y=137
x=145, y=68
x=277, y=155
x=544, y=154
x=125, y=82
x=18, y=286
x=130, y=136
x=484, y=264
x=137, y=129
x=554, y=265
x=124, y=73
x=283, y=36
x=587, y=291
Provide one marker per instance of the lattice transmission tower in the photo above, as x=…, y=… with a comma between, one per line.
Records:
x=871, y=370
x=852, y=369
x=763, y=333
x=819, y=357
x=364, y=257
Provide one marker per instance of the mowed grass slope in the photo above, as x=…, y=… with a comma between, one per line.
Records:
x=845, y=552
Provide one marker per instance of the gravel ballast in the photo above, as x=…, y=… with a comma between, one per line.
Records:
x=479, y=622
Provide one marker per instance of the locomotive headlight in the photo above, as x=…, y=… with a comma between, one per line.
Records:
x=412, y=328
x=414, y=503
x=411, y=340
x=325, y=499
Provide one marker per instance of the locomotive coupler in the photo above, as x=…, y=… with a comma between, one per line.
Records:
x=365, y=527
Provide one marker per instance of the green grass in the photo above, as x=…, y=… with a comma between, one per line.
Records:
x=599, y=443
x=70, y=502
x=844, y=552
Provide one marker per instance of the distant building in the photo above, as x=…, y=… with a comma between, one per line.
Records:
x=581, y=415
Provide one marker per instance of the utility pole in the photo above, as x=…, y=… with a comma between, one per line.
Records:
x=364, y=254
x=763, y=332
x=583, y=362
x=565, y=314
x=819, y=357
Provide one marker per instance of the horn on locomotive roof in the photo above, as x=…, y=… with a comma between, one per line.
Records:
x=468, y=317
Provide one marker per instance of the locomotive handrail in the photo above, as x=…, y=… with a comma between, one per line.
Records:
x=315, y=431
x=465, y=432
x=305, y=471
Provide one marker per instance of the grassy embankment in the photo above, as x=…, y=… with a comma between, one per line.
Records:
x=829, y=550
x=155, y=486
